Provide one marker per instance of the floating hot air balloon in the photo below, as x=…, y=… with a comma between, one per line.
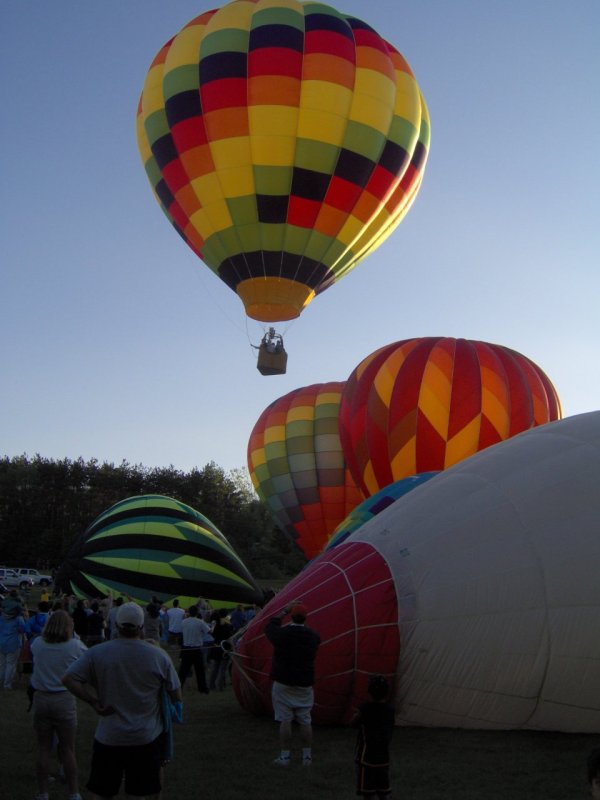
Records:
x=420, y=405
x=375, y=505
x=297, y=467
x=284, y=141
x=476, y=594
x=154, y=545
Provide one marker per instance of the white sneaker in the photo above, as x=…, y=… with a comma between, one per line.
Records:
x=282, y=762
x=307, y=761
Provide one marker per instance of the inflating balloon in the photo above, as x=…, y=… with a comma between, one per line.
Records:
x=154, y=545
x=420, y=405
x=284, y=141
x=297, y=467
x=476, y=594
x=375, y=505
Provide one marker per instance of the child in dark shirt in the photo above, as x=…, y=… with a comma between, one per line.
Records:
x=375, y=723
x=593, y=770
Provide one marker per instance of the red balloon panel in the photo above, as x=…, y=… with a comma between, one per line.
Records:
x=351, y=597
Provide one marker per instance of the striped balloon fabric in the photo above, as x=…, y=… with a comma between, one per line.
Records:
x=374, y=505
x=420, y=405
x=154, y=545
x=284, y=141
x=297, y=466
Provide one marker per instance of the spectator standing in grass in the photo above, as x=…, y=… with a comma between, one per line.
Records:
x=54, y=708
x=153, y=626
x=193, y=630
x=37, y=622
x=80, y=619
x=295, y=649
x=124, y=681
x=112, y=617
x=13, y=625
x=238, y=618
x=219, y=659
x=375, y=723
x=96, y=625
x=175, y=615
x=593, y=773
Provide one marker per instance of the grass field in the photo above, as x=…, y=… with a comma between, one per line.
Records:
x=222, y=752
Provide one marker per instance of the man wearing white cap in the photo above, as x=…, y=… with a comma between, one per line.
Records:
x=122, y=680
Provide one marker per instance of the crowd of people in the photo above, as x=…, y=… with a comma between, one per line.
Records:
x=132, y=684
x=197, y=631
x=123, y=680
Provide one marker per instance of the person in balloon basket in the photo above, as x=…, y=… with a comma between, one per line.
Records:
x=375, y=723
x=295, y=648
x=124, y=680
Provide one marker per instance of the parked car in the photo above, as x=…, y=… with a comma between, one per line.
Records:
x=3, y=591
x=12, y=580
x=39, y=580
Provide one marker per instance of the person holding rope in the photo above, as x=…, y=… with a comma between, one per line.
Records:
x=194, y=630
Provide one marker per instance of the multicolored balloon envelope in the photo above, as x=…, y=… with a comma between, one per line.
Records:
x=422, y=405
x=154, y=545
x=375, y=505
x=477, y=594
x=297, y=467
x=284, y=141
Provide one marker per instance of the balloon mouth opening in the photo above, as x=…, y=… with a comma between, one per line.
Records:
x=274, y=299
x=263, y=312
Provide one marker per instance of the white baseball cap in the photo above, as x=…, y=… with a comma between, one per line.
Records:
x=130, y=614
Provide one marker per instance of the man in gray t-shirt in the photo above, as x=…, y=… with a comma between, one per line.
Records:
x=123, y=680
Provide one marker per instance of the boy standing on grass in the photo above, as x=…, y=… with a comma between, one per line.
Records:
x=593, y=770
x=375, y=723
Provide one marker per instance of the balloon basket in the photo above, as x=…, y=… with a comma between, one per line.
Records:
x=271, y=363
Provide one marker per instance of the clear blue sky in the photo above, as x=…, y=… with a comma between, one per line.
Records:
x=117, y=343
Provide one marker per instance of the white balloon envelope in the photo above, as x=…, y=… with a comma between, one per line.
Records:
x=494, y=567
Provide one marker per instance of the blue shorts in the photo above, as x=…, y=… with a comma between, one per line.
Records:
x=139, y=764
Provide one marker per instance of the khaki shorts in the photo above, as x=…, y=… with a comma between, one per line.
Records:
x=292, y=702
x=52, y=710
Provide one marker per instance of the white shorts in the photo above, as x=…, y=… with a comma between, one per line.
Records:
x=292, y=702
x=53, y=711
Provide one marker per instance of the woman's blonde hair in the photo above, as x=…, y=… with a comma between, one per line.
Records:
x=58, y=627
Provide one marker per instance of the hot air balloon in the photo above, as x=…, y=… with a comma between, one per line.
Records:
x=154, y=545
x=375, y=505
x=424, y=404
x=284, y=141
x=297, y=467
x=476, y=594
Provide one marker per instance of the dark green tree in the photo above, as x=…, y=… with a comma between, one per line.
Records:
x=45, y=504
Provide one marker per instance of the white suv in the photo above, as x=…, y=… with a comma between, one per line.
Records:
x=40, y=580
x=12, y=580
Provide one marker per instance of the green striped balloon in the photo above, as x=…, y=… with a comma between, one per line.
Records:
x=154, y=545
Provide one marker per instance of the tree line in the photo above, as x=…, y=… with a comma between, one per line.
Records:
x=46, y=503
